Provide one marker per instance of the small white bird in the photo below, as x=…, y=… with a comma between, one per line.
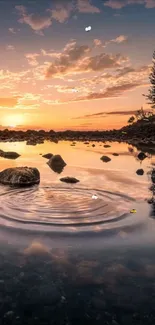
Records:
x=94, y=197
x=87, y=29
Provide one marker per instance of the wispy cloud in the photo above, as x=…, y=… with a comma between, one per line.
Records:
x=74, y=59
x=35, y=21
x=10, y=47
x=118, y=4
x=32, y=58
x=103, y=114
x=85, y=6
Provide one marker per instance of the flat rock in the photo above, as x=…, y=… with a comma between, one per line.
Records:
x=106, y=146
x=20, y=176
x=9, y=154
x=48, y=155
x=140, y=172
x=105, y=158
x=115, y=154
x=69, y=179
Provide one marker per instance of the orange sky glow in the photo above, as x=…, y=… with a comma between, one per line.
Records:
x=55, y=75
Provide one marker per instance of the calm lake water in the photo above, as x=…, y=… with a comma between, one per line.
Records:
x=69, y=258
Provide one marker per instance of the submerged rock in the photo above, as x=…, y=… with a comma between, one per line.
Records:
x=140, y=172
x=105, y=158
x=141, y=156
x=20, y=176
x=9, y=154
x=56, y=163
x=69, y=180
x=48, y=155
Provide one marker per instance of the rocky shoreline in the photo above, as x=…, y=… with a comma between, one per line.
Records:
x=141, y=133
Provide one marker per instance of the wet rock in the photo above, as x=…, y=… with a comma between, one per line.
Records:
x=115, y=154
x=141, y=156
x=9, y=154
x=106, y=146
x=20, y=176
x=105, y=158
x=56, y=163
x=48, y=155
x=93, y=145
x=140, y=172
x=151, y=201
x=31, y=142
x=153, y=175
x=69, y=180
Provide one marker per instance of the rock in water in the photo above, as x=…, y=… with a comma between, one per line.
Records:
x=9, y=154
x=69, y=180
x=141, y=156
x=56, y=163
x=48, y=155
x=115, y=154
x=105, y=158
x=20, y=176
x=106, y=146
x=153, y=175
x=140, y=172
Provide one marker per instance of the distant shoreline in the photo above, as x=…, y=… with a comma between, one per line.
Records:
x=141, y=132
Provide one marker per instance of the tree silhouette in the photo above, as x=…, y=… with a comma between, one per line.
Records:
x=131, y=119
x=151, y=95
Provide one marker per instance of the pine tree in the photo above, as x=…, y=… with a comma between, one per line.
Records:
x=151, y=95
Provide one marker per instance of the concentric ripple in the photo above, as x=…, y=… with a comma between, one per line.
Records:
x=68, y=209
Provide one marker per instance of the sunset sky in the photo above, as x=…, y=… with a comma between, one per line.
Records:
x=55, y=75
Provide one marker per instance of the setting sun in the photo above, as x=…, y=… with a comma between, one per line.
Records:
x=13, y=120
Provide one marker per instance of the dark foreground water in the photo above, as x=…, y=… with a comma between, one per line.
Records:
x=74, y=254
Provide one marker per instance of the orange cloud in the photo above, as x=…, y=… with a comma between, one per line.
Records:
x=8, y=102
x=73, y=60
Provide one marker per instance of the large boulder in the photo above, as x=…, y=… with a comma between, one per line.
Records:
x=56, y=163
x=20, y=176
x=68, y=179
x=9, y=154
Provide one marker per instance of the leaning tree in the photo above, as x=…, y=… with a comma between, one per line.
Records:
x=151, y=94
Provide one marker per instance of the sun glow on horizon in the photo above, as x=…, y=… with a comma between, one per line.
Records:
x=13, y=120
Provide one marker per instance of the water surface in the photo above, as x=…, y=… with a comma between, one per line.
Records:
x=67, y=258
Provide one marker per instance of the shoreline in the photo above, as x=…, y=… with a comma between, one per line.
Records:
x=139, y=134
